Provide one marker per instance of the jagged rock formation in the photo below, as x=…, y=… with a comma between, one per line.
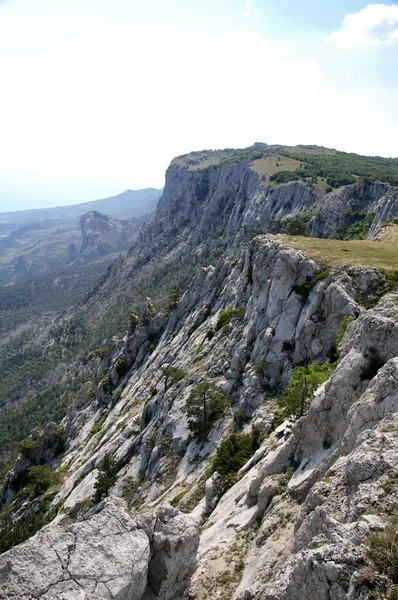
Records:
x=108, y=555
x=102, y=235
x=297, y=519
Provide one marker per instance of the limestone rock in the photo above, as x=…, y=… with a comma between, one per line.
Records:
x=106, y=556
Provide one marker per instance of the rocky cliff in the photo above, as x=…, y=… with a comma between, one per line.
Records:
x=102, y=235
x=300, y=516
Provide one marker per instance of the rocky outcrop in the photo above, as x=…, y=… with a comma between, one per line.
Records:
x=108, y=555
x=102, y=235
x=315, y=522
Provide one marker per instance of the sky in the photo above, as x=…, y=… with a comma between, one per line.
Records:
x=98, y=96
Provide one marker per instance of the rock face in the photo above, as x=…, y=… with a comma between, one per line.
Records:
x=102, y=235
x=297, y=520
x=107, y=556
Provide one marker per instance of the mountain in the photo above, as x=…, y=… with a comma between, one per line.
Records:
x=231, y=396
x=128, y=204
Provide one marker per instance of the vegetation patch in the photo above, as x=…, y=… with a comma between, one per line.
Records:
x=380, y=254
x=233, y=453
x=306, y=380
x=227, y=315
x=205, y=404
x=383, y=553
x=356, y=225
x=107, y=475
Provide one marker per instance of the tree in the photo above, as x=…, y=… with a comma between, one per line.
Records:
x=306, y=381
x=107, y=475
x=206, y=404
x=172, y=375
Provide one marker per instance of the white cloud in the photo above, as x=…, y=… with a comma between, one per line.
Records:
x=374, y=25
x=249, y=11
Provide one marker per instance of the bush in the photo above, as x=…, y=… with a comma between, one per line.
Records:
x=306, y=288
x=28, y=447
x=40, y=478
x=233, y=453
x=306, y=381
x=297, y=224
x=107, y=475
x=121, y=367
x=227, y=315
x=172, y=375
x=173, y=298
x=105, y=383
x=210, y=333
x=239, y=420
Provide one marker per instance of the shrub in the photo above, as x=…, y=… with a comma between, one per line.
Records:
x=306, y=381
x=227, y=315
x=172, y=375
x=59, y=440
x=173, y=298
x=233, y=453
x=297, y=224
x=210, y=333
x=239, y=420
x=306, y=288
x=121, y=367
x=106, y=385
x=107, y=475
x=40, y=478
x=28, y=447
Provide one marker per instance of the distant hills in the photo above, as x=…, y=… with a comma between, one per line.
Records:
x=128, y=204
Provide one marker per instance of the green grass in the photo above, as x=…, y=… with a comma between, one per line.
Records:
x=380, y=254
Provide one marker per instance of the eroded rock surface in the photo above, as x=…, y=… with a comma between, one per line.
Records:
x=109, y=555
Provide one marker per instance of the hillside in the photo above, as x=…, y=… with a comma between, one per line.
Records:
x=238, y=363
x=128, y=204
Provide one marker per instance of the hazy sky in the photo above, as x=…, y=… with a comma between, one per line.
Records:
x=97, y=96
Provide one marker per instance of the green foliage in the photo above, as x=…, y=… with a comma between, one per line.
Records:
x=306, y=288
x=121, y=367
x=210, y=333
x=233, y=453
x=40, y=479
x=340, y=168
x=305, y=382
x=173, y=297
x=98, y=425
x=343, y=328
x=107, y=475
x=356, y=225
x=106, y=384
x=173, y=375
x=12, y=533
x=297, y=224
x=28, y=447
x=227, y=315
x=205, y=404
x=245, y=154
x=239, y=420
